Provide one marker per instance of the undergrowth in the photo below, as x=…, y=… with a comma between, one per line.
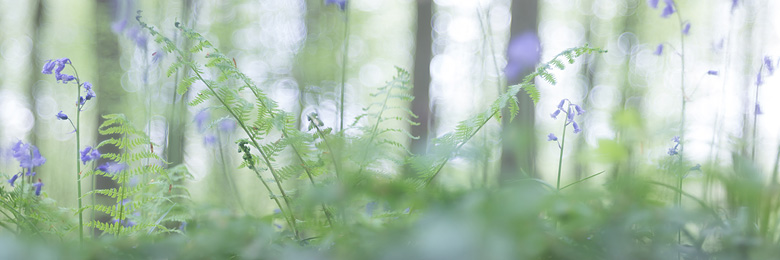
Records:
x=344, y=192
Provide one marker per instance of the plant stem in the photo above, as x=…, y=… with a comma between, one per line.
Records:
x=228, y=177
x=344, y=60
x=78, y=152
x=560, y=156
x=682, y=116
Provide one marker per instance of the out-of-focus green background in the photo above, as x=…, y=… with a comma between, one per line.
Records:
x=293, y=50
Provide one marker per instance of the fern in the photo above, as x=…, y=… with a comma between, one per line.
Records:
x=445, y=147
x=127, y=172
x=375, y=138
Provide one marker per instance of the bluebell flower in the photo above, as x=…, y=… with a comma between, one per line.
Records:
x=560, y=105
x=341, y=3
x=669, y=9
x=555, y=114
x=137, y=36
x=38, y=185
x=673, y=150
x=65, y=78
x=696, y=168
x=201, y=118
x=62, y=116
x=769, y=66
x=183, y=226
x=759, y=79
x=579, y=110
x=89, y=154
x=226, y=125
x=88, y=89
x=552, y=137
x=119, y=26
x=659, y=50
x=33, y=161
x=48, y=67
x=27, y=155
x=712, y=72
x=95, y=154
x=653, y=3
x=523, y=52
x=61, y=65
x=734, y=4
x=112, y=167
x=686, y=28
x=13, y=179
x=569, y=113
x=209, y=140
x=758, y=110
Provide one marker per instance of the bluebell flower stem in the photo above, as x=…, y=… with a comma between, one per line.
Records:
x=681, y=164
x=560, y=156
x=78, y=153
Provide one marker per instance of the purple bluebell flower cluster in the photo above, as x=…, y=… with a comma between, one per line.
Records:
x=569, y=113
x=341, y=3
x=673, y=150
x=133, y=33
x=28, y=156
x=89, y=154
x=60, y=65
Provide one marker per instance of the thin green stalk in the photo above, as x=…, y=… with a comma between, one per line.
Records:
x=682, y=115
x=78, y=152
x=560, y=156
x=755, y=119
x=583, y=179
x=344, y=62
x=290, y=222
x=228, y=177
x=777, y=163
x=330, y=150
x=374, y=130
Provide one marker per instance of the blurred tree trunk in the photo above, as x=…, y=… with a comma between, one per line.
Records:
x=422, y=75
x=519, y=147
x=177, y=115
x=107, y=82
x=35, y=63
